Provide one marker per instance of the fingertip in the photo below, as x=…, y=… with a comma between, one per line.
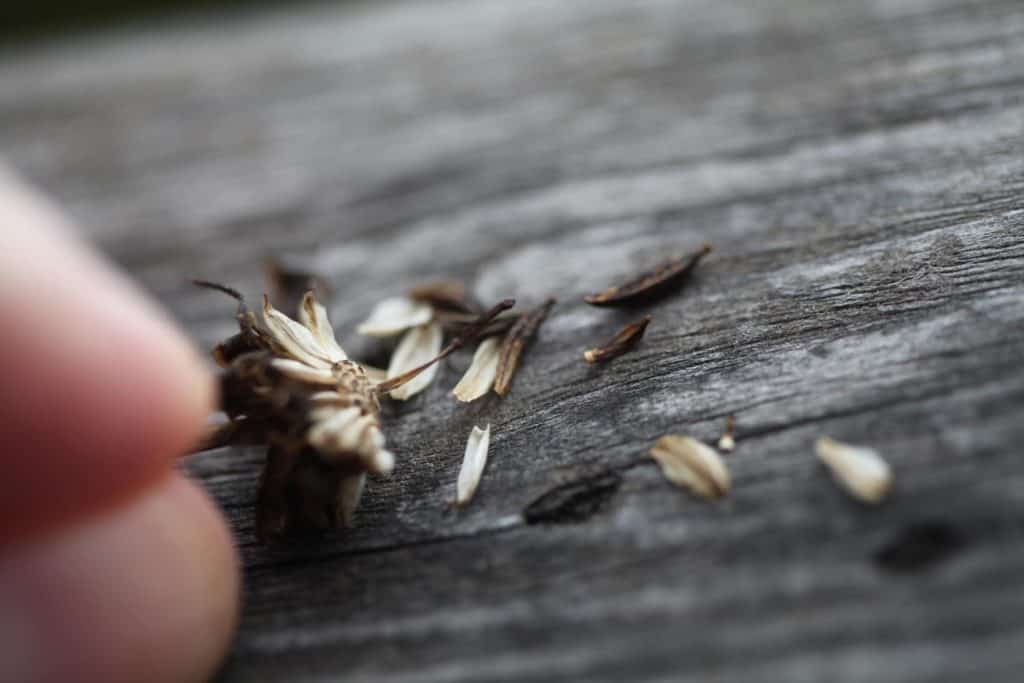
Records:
x=101, y=392
x=146, y=592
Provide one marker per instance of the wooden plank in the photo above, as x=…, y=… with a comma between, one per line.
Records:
x=858, y=168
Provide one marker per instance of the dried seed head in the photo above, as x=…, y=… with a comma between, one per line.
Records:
x=479, y=378
x=626, y=339
x=651, y=285
x=690, y=463
x=860, y=470
x=727, y=442
x=472, y=464
x=420, y=345
x=394, y=316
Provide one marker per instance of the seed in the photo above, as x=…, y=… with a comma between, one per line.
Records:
x=472, y=464
x=394, y=316
x=692, y=464
x=651, y=285
x=479, y=378
x=516, y=342
x=860, y=470
x=418, y=347
x=626, y=339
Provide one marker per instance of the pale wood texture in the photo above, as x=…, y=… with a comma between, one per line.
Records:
x=858, y=167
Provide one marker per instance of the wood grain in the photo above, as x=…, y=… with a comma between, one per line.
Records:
x=858, y=168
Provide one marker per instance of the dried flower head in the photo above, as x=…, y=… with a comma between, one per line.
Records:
x=290, y=385
x=860, y=470
x=689, y=463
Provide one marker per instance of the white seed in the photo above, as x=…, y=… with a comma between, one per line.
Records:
x=727, y=444
x=350, y=491
x=689, y=463
x=314, y=316
x=472, y=464
x=418, y=346
x=479, y=378
x=294, y=339
x=393, y=316
x=860, y=470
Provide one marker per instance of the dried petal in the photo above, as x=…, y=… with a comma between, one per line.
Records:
x=472, y=464
x=303, y=373
x=446, y=295
x=469, y=334
x=350, y=491
x=375, y=375
x=313, y=315
x=687, y=462
x=650, y=285
x=294, y=339
x=419, y=346
x=860, y=470
x=622, y=342
x=393, y=316
x=727, y=443
x=479, y=378
x=515, y=343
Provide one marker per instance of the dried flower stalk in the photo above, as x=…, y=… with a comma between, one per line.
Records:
x=473, y=463
x=516, y=342
x=479, y=378
x=623, y=341
x=651, y=285
x=727, y=442
x=860, y=470
x=689, y=463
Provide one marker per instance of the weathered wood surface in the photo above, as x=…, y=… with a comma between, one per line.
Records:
x=859, y=169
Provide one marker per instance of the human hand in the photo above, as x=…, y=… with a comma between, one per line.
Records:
x=113, y=567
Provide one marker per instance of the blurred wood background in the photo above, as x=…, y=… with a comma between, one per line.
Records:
x=858, y=167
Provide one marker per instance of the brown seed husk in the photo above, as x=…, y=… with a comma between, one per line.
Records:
x=651, y=285
x=623, y=341
x=689, y=463
x=515, y=343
